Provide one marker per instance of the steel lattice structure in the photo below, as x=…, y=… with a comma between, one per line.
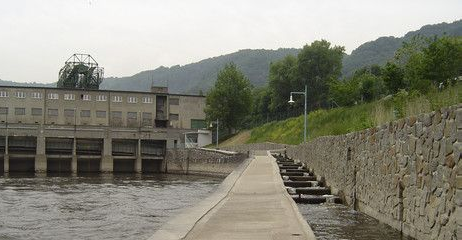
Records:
x=80, y=71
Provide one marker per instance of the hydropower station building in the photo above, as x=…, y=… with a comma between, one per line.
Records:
x=76, y=130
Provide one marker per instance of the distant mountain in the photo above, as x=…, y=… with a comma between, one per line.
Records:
x=26, y=84
x=384, y=48
x=200, y=76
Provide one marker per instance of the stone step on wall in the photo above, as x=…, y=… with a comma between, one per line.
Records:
x=301, y=174
x=304, y=187
x=295, y=184
x=302, y=178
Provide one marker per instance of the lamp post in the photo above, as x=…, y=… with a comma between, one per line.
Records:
x=216, y=122
x=291, y=101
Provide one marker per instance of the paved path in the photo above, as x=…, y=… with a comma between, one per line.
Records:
x=256, y=207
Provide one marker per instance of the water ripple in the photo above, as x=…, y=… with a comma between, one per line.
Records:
x=95, y=206
x=337, y=222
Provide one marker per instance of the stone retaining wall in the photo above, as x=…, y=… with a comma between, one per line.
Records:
x=249, y=148
x=407, y=173
x=202, y=161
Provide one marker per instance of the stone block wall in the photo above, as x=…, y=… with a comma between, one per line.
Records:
x=202, y=161
x=407, y=173
x=249, y=148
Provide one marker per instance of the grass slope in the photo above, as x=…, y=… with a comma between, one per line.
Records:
x=238, y=139
x=349, y=119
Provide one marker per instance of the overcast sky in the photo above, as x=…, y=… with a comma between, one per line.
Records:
x=126, y=37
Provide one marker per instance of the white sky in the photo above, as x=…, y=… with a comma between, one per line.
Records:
x=126, y=37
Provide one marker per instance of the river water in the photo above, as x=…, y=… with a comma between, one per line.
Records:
x=95, y=206
x=337, y=222
x=106, y=206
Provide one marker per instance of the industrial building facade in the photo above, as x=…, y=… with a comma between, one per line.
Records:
x=53, y=129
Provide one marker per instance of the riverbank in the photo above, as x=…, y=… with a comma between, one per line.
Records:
x=251, y=203
x=406, y=173
x=202, y=161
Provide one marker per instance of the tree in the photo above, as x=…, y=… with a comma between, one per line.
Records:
x=344, y=93
x=230, y=100
x=260, y=106
x=410, y=48
x=318, y=64
x=282, y=80
x=414, y=73
x=371, y=87
x=362, y=86
x=393, y=77
x=442, y=60
x=375, y=70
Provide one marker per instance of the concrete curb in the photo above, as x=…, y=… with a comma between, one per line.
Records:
x=306, y=227
x=219, y=151
x=180, y=225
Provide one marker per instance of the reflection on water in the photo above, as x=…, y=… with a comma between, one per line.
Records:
x=337, y=222
x=94, y=206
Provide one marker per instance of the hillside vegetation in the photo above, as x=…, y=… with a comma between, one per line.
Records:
x=343, y=120
x=196, y=77
x=378, y=52
x=200, y=76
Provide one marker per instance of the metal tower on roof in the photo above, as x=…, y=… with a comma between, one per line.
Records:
x=80, y=71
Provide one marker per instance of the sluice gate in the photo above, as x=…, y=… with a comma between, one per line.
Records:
x=59, y=154
x=124, y=153
x=89, y=152
x=72, y=155
x=22, y=151
x=152, y=154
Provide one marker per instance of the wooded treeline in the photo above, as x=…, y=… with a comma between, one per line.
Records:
x=422, y=64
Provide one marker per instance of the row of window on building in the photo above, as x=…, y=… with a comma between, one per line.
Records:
x=53, y=112
x=84, y=97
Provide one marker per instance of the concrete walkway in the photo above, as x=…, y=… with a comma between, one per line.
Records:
x=256, y=207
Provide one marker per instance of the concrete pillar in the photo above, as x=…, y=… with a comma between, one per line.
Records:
x=74, y=156
x=138, y=161
x=169, y=157
x=6, y=163
x=188, y=157
x=6, y=157
x=40, y=157
x=107, y=161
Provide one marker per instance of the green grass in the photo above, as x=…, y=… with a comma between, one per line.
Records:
x=349, y=119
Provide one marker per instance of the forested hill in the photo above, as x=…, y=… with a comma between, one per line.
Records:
x=200, y=76
x=27, y=84
x=383, y=49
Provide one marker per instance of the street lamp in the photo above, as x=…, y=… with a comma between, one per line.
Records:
x=211, y=125
x=291, y=101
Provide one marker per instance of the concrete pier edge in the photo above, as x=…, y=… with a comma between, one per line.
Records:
x=180, y=225
x=306, y=227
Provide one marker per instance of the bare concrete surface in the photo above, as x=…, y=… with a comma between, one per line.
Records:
x=256, y=207
x=180, y=225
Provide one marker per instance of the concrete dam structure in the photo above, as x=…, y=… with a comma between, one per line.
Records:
x=77, y=130
x=41, y=149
